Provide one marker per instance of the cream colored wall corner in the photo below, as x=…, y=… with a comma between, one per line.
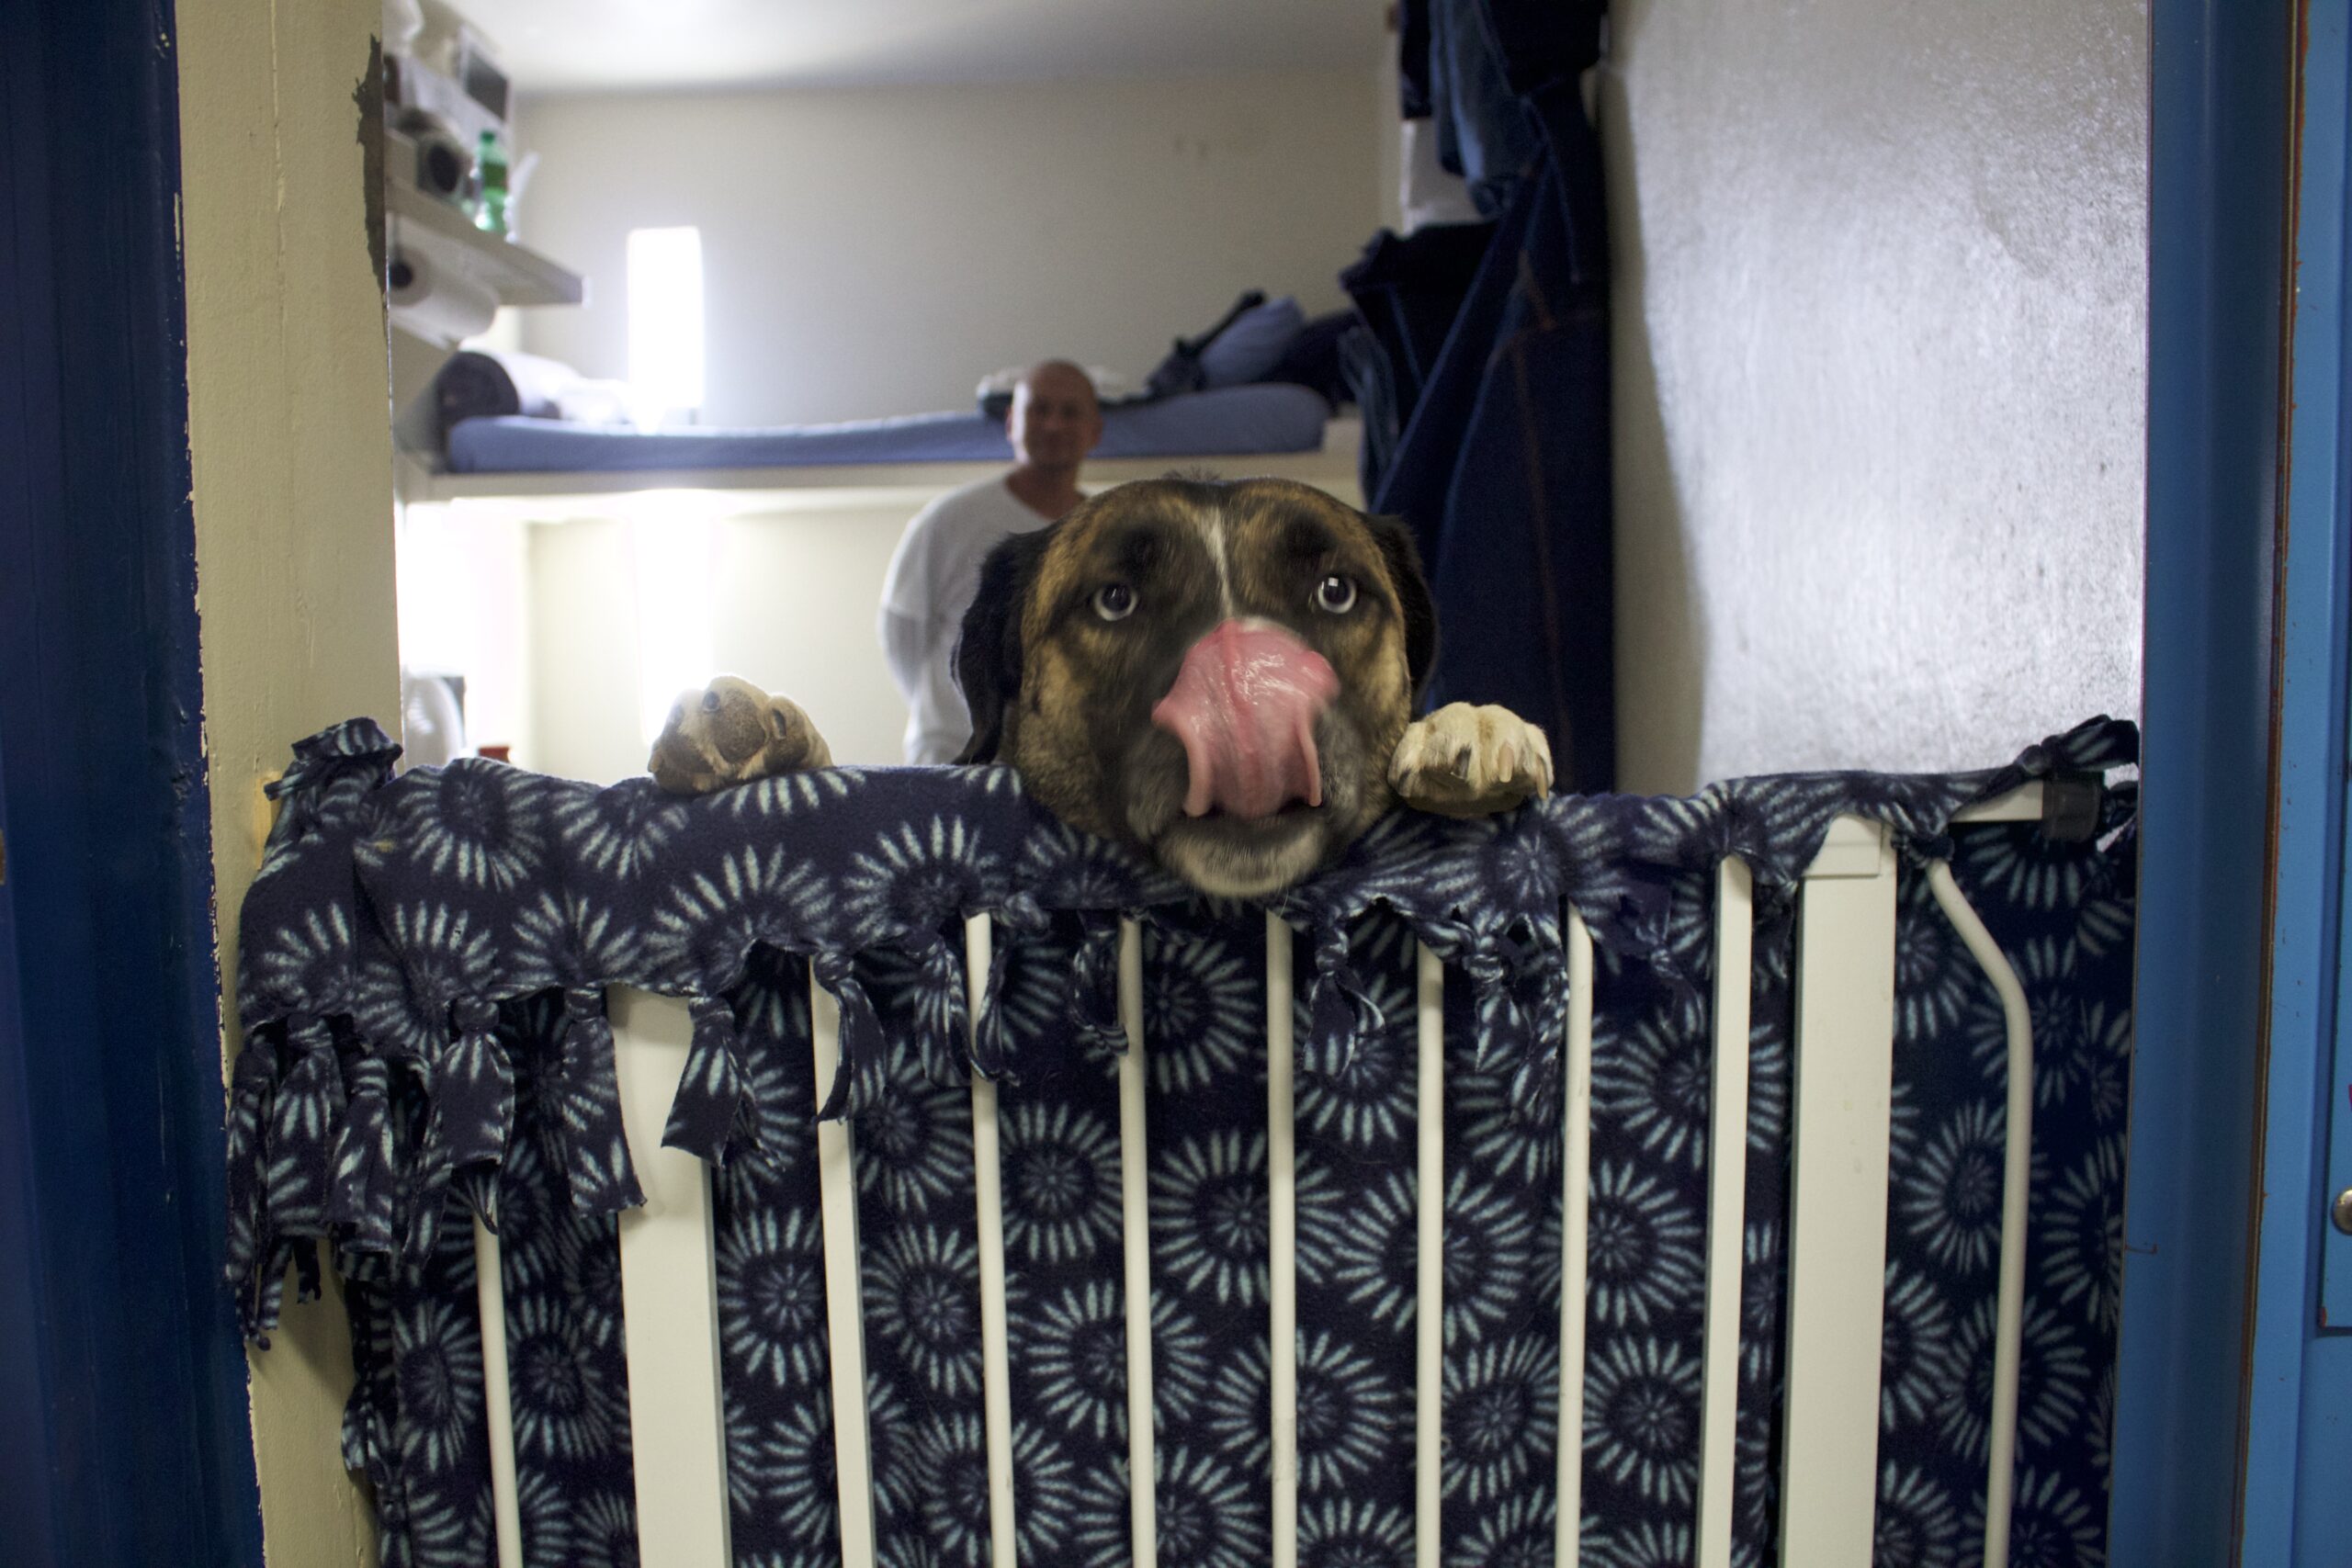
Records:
x=290, y=435
x=890, y=276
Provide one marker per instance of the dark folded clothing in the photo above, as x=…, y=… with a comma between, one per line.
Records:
x=1408, y=289
x=485, y=384
x=1311, y=358
x=477, y=385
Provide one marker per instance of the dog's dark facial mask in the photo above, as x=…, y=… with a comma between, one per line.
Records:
x=1218, y=672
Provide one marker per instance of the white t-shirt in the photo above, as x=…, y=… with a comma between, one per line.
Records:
x=931, y=579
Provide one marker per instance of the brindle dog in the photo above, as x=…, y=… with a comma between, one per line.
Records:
x=1222, y=674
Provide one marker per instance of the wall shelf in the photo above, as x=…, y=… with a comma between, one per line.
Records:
x=479, y=273
x=513, y=274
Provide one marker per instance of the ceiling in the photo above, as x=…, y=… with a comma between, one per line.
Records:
x=585, y=46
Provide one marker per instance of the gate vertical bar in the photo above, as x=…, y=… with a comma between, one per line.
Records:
x=988, y=1186
x=1844, y=1096
x=1726, y=1207
x=2017, y=1167
x=1428, y=1311
x=844, y=1309
x=1575, y=1188
x=1282, y=1239
x=669, y=1300
x=498, y=1399
x=1135, y=1196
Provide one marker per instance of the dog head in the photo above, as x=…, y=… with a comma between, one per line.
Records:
x=1217, y=672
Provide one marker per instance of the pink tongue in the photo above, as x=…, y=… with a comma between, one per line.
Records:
x=1244, y=705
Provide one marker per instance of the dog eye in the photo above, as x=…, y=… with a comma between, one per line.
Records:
x=1336, y=593
x=1114, y=600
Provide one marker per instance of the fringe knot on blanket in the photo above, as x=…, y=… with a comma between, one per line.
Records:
x=1093, y=999
x=1019, y=920
x=366, y=1188
x=473, y=1086
x=858, y=1077
x=714, y=1108
x=596, y=1162
x=1342, y=1012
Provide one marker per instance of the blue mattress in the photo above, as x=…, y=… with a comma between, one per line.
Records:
x=1265, y=417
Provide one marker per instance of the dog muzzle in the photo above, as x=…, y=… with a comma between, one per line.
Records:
x=1245, y=704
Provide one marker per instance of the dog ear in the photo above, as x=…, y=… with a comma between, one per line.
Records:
x=988, y=651
x=1404, y=562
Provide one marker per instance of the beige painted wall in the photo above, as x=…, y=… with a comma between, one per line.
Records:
x=290, y=435
x=873, y=251
x=1880, y=359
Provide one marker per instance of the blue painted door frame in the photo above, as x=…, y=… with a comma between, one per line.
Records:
x=2230, y=1422
x=2297, y=1510
x=124, y=1435
x=2219, y=75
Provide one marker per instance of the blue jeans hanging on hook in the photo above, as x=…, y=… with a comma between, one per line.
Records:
x=1469, y=67
x=1502, y=464
x=1408, y=290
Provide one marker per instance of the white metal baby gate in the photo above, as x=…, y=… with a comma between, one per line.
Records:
x=1840, y=1132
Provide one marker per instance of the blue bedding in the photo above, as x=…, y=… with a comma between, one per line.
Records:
x=1265, y=417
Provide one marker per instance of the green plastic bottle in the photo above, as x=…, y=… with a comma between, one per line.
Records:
x=490, y=180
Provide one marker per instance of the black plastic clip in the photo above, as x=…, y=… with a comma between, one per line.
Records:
x=2072, y=807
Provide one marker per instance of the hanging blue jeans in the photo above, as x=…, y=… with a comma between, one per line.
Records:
x=1408, y=290
x=1472, y=66
x=1502, y=466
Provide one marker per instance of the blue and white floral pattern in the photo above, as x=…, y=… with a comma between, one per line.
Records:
x=422, y=964
x=1060, y=1180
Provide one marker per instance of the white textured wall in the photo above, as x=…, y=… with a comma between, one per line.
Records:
x=289, y=439
x=876, y=251
x=1880, y=360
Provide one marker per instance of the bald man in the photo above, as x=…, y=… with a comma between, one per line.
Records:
x=1053, y=423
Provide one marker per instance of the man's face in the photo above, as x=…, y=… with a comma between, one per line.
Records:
x=1055, y=420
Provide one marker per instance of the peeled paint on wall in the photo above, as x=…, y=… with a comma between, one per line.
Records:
x=368, y=99
x=1880, y=348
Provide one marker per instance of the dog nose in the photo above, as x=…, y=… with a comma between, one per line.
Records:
x=1244, y=704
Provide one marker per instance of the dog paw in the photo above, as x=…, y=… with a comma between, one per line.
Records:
x=1465, y=760
x=731, y=732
